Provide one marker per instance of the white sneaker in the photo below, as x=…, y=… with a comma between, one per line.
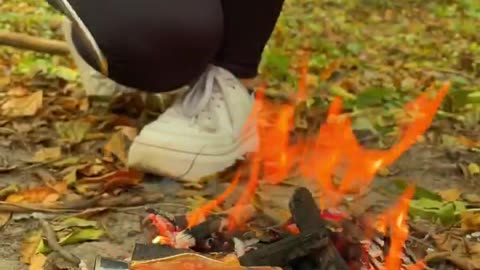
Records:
x=203, y=133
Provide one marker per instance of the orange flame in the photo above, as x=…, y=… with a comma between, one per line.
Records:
x=396, y=220
x=334, y=159
x=199, y=214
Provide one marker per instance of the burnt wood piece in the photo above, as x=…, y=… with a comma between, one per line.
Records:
x=205, y=229
x=284, y=251
x=211, y=235
x=306, y=215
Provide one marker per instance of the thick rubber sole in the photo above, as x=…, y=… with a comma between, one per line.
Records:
x=184, y=166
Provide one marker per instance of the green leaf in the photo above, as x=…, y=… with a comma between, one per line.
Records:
x=363, y=123
x=473, y=97
x=354, y=48
x=371, y=97
x=81, y=235
x=278, y=63
x=78, y=222
x=341, y=92
x=65, y=73
x=420, y=192
x=446, y=212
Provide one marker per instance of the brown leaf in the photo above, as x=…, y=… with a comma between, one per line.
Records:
x=4, y=81
x=37, y=262
x=40, y=194
x=117, y=146
x=460, y=260
x=450, y=195
x=4, y=218
x=470, y=221
x=23, y=106
x=475, y=248
x=122, y=179
x=469, y=143
x=4, y=192
x=121, y=120
x=327, y=73
x=29, y=246
x=84, y=105
x=129, y=132
x=22, y=127
x=60, y=187
x=73, y=131
x=72, y=104
x=66, y=162
x=47, y=154
x=472, y=197
x=18, y=92
x=94, y=170
x=70, y=178
x=465, y=262
x=444, y=242
x=68, y=103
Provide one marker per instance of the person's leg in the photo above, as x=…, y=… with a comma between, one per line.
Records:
x=248, y=25
x=214, y=126
x=151, y=45
x=165, y=43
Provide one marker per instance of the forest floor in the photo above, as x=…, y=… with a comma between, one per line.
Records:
x=58, y=147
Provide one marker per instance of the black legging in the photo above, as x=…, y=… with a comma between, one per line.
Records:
x=160, y=45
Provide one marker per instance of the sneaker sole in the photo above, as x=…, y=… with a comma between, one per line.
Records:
x=184, y=166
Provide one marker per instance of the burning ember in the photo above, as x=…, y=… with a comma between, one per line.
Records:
x=334, y=160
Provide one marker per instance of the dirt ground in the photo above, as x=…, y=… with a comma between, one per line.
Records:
x=425, y=164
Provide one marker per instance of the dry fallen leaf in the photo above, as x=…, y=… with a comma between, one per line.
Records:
x=94, y=170
x=60, y=187
x=4, y=81
x=35, y=195
x=37, y=262
x=117, y=146
x=18, y=91
x=10, y=189
x=129, y=132
x=22, y=127
x=29, y=246
x=66, y=162
x=4, y=218
x=327, y=73
x=72, y=103
x=70, y=178
x=450, y=195
x=472, y=197
x=475, y=249
x=73, y=131
x=122, y=179
x=470, y=221
x=47, y=154
x=23, y=106
x=473, y=169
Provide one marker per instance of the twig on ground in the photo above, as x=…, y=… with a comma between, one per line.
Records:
x=23, y=41
x=54, y=245
x=125, y=200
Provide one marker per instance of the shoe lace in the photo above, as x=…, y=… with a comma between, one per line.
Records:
x=200, y=94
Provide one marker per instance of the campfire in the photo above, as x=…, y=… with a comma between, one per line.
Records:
x=315, y=237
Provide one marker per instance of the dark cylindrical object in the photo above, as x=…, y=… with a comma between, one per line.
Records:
x=109, y=264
